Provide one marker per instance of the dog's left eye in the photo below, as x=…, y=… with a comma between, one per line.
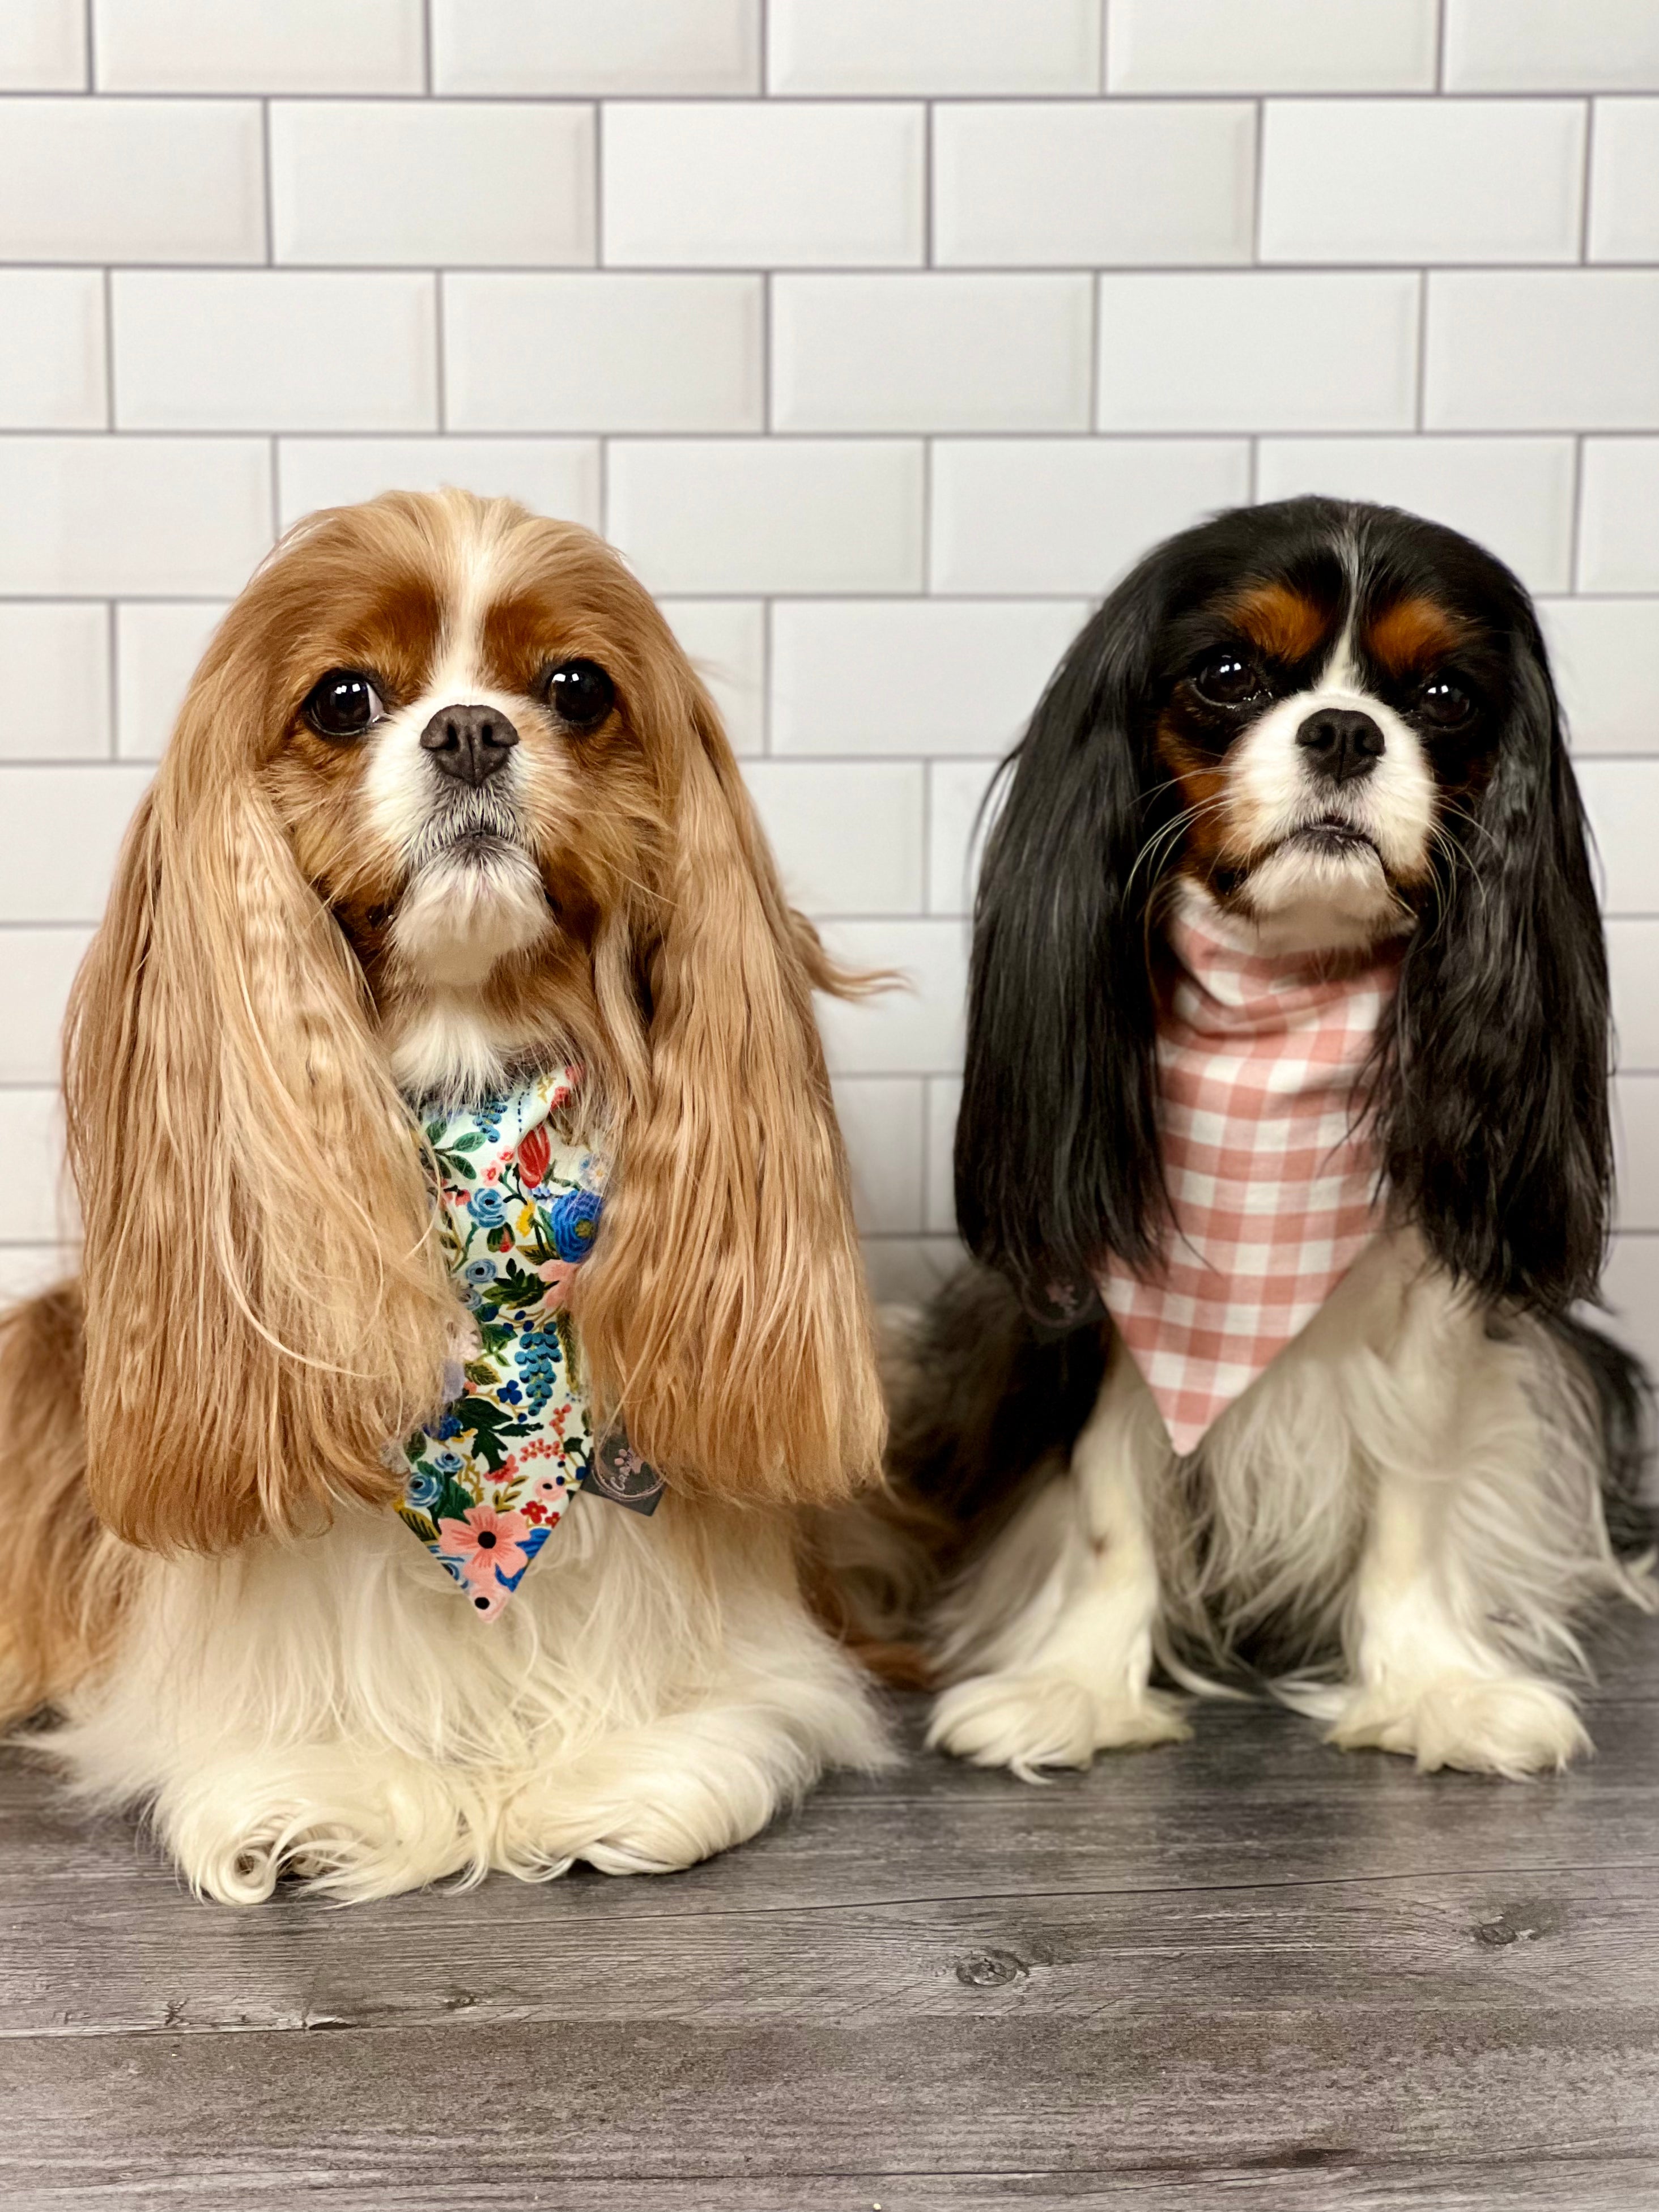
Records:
x=1227, y=679
x=343, y=705
x=1444, y=704
x=579, y=692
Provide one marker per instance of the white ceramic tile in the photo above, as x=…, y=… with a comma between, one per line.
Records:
x=271, y=46
x=944, y=1104
x=934, y=46
x=914, y=1030
x=1069, y=515
x=931, y=352
x=131, y=515
x=1605, y=653
x=1618, y=546
x=957, y=821
x=262, y=350
x=1631, y=1288
x=54, y=681
x=1513, y=495
x=1621, y=797
x=32, y=1145
x=495, y=182
x=552, y=475
x=726, y=642
x=1624, y=210
x=911, y=676
x=1250, y=351
x=610, y=352
x=1271, y=45
x=881, y=1120
x=1064, y=183
x=1417, y=180
x=37, y=966
x=906, y=1271
x=1551, y=45
x=1542, y=350
x=847, y=834
x=43, y=45
x=801, y=514
x=52, y=362
x=26, y=1269
x=158, y=644
x=772, y=185
x=1633, y=958
x=121, y=180
x=572, y=46
x=1636, y=1137
x=60, y=828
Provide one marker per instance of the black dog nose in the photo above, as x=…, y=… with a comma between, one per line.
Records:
x=1340, y=743
x=469, y=742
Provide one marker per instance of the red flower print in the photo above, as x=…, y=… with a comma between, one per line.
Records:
x=486, y=1543
x=535, y=1151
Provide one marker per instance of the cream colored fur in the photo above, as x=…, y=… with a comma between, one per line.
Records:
x=1401, y=1485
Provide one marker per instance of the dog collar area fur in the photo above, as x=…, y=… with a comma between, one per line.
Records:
x=1272, y=1173
x=486, y=1483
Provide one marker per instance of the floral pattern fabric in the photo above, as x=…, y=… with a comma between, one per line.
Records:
x=519, y=1207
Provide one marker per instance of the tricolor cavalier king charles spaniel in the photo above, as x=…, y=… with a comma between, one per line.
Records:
x=1307, y=756
x=446, y=809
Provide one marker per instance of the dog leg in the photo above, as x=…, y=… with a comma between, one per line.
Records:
x=1058, y=1622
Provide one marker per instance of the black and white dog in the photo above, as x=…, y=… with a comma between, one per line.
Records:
x=1317, y=739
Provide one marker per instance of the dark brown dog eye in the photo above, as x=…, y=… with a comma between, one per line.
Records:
x=1444, y=704
x=344, y=706
x=1227, y=679
x=580, y=692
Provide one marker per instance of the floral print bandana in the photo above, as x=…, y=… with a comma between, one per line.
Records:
x=519, y=1208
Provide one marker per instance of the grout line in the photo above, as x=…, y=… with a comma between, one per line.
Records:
x=927, y=185
x=264, y=166
x=1229, y=96
x=113, y=633
x=91, y=32
x=599, y=260
x=426, y=47
x=769, y=310
x=109, y=348
x=1420, y=396
x=764, y=56
x=1253, y=490
x=1441, y=29
x=605, y=487
x=839, y=271
x=1575, y=551
x=926, y=518
x=1097, y=296
x=1257, y=165
x=276, y=487
x=439, y=352
x=1104, y=24
x=1590, y=108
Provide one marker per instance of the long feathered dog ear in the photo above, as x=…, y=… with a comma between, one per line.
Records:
x=1057, y=1158
x=1493, y=1106
x=264, y=1311
x=726, y=1318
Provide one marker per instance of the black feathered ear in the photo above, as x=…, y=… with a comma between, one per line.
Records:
x=1057, y=1154
x=1493, y=1110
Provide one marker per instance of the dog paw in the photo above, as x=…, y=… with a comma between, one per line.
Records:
x=1509, y=1725
x=1027, y=1721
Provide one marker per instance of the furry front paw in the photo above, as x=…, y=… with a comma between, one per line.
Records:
x=1510, y=1725
x=1030, y=1721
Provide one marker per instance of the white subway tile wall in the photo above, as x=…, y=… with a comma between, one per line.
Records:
x=881, y=339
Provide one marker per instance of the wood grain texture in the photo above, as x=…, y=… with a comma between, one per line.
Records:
x=1245, y=1973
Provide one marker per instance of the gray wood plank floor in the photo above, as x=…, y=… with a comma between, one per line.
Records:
x=1246, y=1972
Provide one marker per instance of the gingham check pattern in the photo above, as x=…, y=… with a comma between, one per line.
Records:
x=1272, y=1183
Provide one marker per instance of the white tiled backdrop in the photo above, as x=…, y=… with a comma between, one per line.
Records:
x=881, y=335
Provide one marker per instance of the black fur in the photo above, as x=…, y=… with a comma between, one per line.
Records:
x=1491, y=1084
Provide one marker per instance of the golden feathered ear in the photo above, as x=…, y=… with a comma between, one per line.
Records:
x=264, y=1311
x=726, y=1320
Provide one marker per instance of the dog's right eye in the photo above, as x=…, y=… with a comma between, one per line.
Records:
x=343, y=705
x=1227, y=679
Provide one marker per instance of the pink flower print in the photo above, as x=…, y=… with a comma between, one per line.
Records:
x=550, y=1486
x=486, y=1542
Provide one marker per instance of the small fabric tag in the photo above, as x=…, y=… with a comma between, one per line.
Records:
x=519, y=1206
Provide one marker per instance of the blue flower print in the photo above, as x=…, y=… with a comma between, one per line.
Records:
x=448, y=1426
x=487, y=1204
x=574, y=1221
x=479, y=1272
x=423, y=1488
x=449, y=1463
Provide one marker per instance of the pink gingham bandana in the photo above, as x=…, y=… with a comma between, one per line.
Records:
x=1272, y=1176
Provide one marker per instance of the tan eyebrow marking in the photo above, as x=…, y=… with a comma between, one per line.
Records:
x=1279, y=619
x=1412, y=634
